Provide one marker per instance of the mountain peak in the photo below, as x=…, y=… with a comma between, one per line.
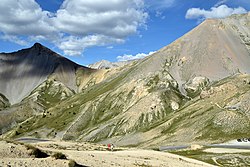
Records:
x=38, y=46
x=33, y=66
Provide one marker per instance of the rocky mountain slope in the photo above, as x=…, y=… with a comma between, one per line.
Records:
x=22, y=71
x=4, y=103
x=188, y=92
x=217, y=48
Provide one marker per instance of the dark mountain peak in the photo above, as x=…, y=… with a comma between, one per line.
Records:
x=41, y=50
x=26, y=69
x=39, y=47
x=36, y=48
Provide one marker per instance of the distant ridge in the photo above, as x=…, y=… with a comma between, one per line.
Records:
x=104, y=64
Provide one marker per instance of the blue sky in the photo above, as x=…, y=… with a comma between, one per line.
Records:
x=87, y=31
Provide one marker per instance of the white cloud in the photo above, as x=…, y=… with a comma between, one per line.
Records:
x=74, y=46
x=215, y=12
x=78, y=24
x=24, y=18
x=159, y=4
x=117, y=18
x=220, y=2
x=160, y=14
x=133, y=57
x=14, y=39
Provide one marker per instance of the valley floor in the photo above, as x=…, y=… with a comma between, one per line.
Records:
x=86, y=154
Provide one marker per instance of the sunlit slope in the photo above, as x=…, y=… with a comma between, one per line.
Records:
x=194, y=90
x=215, y=49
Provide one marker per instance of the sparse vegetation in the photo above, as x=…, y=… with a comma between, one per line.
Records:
x=196, y=154
x=37, y=153
x=72, y=163
x=218, y=159
x=59, y=155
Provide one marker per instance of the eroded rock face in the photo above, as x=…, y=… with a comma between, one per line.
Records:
x=196, y=83
x=4, y=102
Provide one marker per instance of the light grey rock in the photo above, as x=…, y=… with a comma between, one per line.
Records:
x=196, y=83
x=174, y=105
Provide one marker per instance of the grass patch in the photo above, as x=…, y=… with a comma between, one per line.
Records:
x=59, y=117
x=152, y=83
x=196, y=154
x=223, y=159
